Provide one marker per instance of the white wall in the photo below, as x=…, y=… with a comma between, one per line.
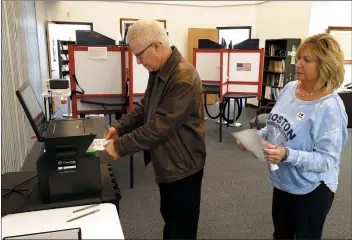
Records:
x=203, y=3
x=282, y=19
x=20, y=64
x=332, y=13
x=106, y=17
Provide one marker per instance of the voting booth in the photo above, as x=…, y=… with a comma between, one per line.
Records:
x=96, y=74
x=105, y=79
x=211, y=68
x=137, y=75
x=230, y=73
x=245, y=72
x=233, y=71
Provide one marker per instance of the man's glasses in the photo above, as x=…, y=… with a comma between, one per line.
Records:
x=140, y=54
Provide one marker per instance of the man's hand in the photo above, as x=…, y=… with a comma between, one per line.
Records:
x=240, y=146
x=111, y=150
x=111, y=133
x=274, y=154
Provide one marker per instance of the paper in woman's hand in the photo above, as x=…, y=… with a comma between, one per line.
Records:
x=252, y=141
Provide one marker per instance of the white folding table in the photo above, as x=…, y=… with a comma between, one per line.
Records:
x=104, y=224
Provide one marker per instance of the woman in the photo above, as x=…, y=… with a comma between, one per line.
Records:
x=305, y=133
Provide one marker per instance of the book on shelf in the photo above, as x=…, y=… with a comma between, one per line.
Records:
x=277, y=66
x=275, y=80
x=275, y=93
x=272, y=49
x=275, y=51
x=267, y=94
x=272, y=93
x=281, y=80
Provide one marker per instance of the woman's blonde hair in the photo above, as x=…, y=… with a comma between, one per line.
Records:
x=330, y=60
x=146, y=31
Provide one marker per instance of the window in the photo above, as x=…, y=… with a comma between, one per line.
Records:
x=236, y=34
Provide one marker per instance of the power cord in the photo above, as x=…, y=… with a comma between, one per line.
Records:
x=24, y=202
x=58, y=109
x=53, y=104
x=14, y=190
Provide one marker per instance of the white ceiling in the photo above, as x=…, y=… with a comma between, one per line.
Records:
x=202, y=3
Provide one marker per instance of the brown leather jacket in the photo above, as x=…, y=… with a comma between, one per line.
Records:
x=168, y=123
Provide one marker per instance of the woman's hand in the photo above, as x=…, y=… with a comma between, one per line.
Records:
x=240, y=146
x=274, y=154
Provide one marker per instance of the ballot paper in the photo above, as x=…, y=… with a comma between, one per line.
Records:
x=252, y=141
x=98, y=144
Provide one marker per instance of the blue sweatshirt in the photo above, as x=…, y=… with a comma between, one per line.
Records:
x=314, y=133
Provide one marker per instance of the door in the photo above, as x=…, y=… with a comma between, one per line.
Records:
x=194, y=34
x=65, y=31
x=49, y=32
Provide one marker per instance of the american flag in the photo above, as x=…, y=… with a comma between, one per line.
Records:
x=243, y=67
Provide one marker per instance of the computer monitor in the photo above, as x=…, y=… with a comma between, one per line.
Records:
x=32, y=109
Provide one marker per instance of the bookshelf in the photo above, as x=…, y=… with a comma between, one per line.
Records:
x=278, y=70
x=64, y=66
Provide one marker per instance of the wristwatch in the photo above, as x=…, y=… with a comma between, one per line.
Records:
x=286, y=155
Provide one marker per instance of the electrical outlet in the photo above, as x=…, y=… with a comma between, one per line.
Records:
x=68, y=14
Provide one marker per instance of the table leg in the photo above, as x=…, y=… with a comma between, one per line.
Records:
x=45, y=110
x=228, y=111
x=223, y=120
x=235, y=124
x=220, y=134
x=69, y=107
x=50, y=106
x=205, y=103
x=131, y=172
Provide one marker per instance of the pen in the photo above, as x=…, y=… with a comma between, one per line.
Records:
x=78, y=210
x=84, y=215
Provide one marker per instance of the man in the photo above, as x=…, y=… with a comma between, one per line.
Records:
x=168, y=124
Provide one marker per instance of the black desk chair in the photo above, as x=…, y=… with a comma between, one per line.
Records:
x=259, y=121
x=346, y=96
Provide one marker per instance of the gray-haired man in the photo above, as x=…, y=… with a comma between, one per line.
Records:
x=168, y=124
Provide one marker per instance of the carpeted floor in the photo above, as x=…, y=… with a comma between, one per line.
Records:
x=236, y=194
